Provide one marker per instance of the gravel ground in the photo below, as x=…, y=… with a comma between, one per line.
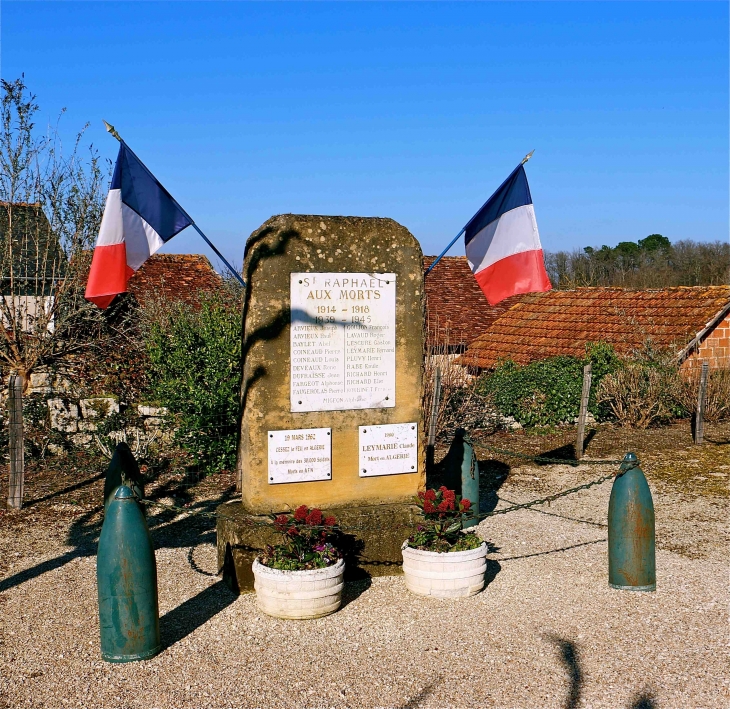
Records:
x=546, y=632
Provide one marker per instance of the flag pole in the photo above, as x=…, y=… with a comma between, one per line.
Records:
x=443, y=253
x=110, y=128
x=456, y=238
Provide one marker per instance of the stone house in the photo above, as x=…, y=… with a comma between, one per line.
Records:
x=31, y=262
x=692, y=321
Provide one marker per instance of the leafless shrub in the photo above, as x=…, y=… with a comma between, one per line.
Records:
x=717, y=395
x=460, y=405
x=642, y=391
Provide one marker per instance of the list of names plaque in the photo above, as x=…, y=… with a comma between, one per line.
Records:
x=342, y=343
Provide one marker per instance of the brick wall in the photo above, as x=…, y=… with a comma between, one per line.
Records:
x=715, y=348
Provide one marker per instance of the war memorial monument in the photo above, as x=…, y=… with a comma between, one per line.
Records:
x=331, y=388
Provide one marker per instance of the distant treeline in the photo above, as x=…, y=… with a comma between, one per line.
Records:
x=653, y=262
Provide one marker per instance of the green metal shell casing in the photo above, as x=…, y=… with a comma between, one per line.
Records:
x=470, y=483
x=122, y=470
x=631, y=535
x=126, y=573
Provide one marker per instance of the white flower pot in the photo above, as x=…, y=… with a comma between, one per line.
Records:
x=445, y=575
x=299, y=594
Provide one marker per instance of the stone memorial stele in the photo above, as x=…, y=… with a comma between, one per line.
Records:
x=331, y=385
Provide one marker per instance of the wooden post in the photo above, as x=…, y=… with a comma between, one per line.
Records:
x=16, y=444
x=583, y=412
x=430, y=452
x=700, y=413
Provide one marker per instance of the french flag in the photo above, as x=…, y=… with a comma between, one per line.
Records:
x=139, y=217
x=503, y=245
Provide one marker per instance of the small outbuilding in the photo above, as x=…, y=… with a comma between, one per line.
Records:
x=692, y=321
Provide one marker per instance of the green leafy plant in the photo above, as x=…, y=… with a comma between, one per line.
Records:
x=195, y=371
x=547, y=392
x=443, y=512
x=308, y=541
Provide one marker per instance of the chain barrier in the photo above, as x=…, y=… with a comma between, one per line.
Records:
x=252, y=521
x=539, y=458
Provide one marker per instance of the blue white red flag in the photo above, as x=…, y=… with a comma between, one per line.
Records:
x=503, y=244
x=139, y=217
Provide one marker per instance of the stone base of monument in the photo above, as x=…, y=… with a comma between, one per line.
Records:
x=372, y=539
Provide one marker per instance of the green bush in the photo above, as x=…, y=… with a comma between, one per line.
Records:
x=195, y=371
x=547, y=392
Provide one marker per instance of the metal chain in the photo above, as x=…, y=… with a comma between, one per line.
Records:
x=541, y=459
x=253, y=522
x=549, y=498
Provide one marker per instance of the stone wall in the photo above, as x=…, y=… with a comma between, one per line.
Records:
x=76, y=421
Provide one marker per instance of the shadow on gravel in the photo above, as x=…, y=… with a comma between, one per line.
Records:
x=64, y=491
x=196, y=611
x=570, y=659
x=165, y=529
x=567, y=452
x=492, y=474
x=555, y=514
x=415, y=701
x=555, y=551
x=645, y=700
x=355, y=589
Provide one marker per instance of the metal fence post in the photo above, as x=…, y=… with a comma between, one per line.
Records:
x=16, y=442
x=700, y=413
x=430, y=454
x=583, y=412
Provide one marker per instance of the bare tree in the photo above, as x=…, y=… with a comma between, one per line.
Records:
x=50, y=210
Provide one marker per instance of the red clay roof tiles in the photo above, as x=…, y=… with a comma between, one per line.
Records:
x=456, y=310
x=178, y=277
x=562, y=322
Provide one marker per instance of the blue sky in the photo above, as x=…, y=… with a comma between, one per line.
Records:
x=415, y=111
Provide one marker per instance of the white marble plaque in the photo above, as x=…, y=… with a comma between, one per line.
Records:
x=301, y=455
x=342, y=344
x=390, y=449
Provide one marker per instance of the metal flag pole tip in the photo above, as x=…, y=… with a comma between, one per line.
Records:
x=527, y=157
x=111, y=129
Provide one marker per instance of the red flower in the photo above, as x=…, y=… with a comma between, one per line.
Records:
x=314, y=517
x=330, y=521
x=449, y=495
x=292, y=531
x=421, y=495
x=429, y=495
x=465, y=504
x=445, y=506
x=428, y=507
x=281, y=521
x=300, y=514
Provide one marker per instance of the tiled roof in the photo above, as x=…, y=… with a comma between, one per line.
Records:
x=456, y=310
x=178, y=277
x=561, y=322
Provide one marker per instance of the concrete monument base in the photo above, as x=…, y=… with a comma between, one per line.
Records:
x=372, y=537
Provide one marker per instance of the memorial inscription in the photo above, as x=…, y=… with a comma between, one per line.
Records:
x=300, y=455
x=389, y=449
x=342, y=341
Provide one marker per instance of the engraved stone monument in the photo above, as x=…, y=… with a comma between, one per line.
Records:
x=332, y=379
